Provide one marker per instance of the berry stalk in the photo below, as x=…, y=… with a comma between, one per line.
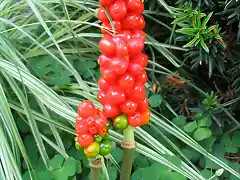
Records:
x=95, y=173
x=95, y=169
x=128, y=145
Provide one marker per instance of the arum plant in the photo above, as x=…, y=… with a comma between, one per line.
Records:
x=122, y=63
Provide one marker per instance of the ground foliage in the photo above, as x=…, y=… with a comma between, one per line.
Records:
x=48, y=64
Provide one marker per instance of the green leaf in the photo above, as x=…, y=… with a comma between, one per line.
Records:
x=208, y=30
x=22, y=126
x=78, y=155
x=204, y=121
x=56, y=162
x=206, y=19
x=232, y=177
x=59, y=174
x=112, y=172
x=204, y=46
x=31, y=149
x=79, y=167
x=69, y=167
x=179, y=121
x=188, y=31
x=202, y=133
x=26, y=176
x=85, y=162
x=43, y=174
x=208, y=143
x=218, y=151
x=229, y=146
x=176, y=176
x=89, y=73
x=154, y=172
x=191, y=154
x=174, y=160
x=138, y=174
x=46, y=67
x=155, y=100
x=117, y=154
x=142, y=161
x=235, y=139
x=192, y=42
x=206, y=173
x=91, y=64
x=190, y=127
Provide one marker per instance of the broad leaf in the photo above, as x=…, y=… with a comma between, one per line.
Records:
x=179, y=121
x=202, y=133
x=190, y=127
x=155, y=100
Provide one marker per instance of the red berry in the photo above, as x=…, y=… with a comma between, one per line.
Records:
x=121, y=47
x=141, y=59
x=129, y=107
x=101, y=97
x=85, y=139
x=100, y=122
x=117, y=25
x=126, y=81
x=89, y=121
x=81, y=127
x=102, y=15
x=103, y=84
x=111, y=111
x=142, y=78
x=79, y=119
x=135, y=46
x=119, y=65
x=125, y=35
x=135, y=69
x=145, y=117
x=138, y=34
x=106, y=2
x=141, y=23
x=135, y=6
x=118, y=10
x=138, y=93
x=143, y=106
x=93, y=130
x=134, y=120
x=115, y=95
x=103, y=132
x=107, y=46
x=133, y=21
x=86, y=108
x=109, y=75
x=104, y=61
x=105, y=28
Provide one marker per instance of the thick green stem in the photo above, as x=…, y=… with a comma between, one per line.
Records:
x=128, y=153
x=95, y=168
x=95, y=173
x=128, y=134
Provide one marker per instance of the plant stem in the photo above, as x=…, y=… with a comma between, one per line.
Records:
x=95, y=173
x=128, y=134
x=128, y=153
x=95, y=168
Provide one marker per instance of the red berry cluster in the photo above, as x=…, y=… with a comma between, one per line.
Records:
x=122, y=62
x=89, y=123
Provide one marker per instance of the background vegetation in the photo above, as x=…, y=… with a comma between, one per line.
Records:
x=48, y=64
